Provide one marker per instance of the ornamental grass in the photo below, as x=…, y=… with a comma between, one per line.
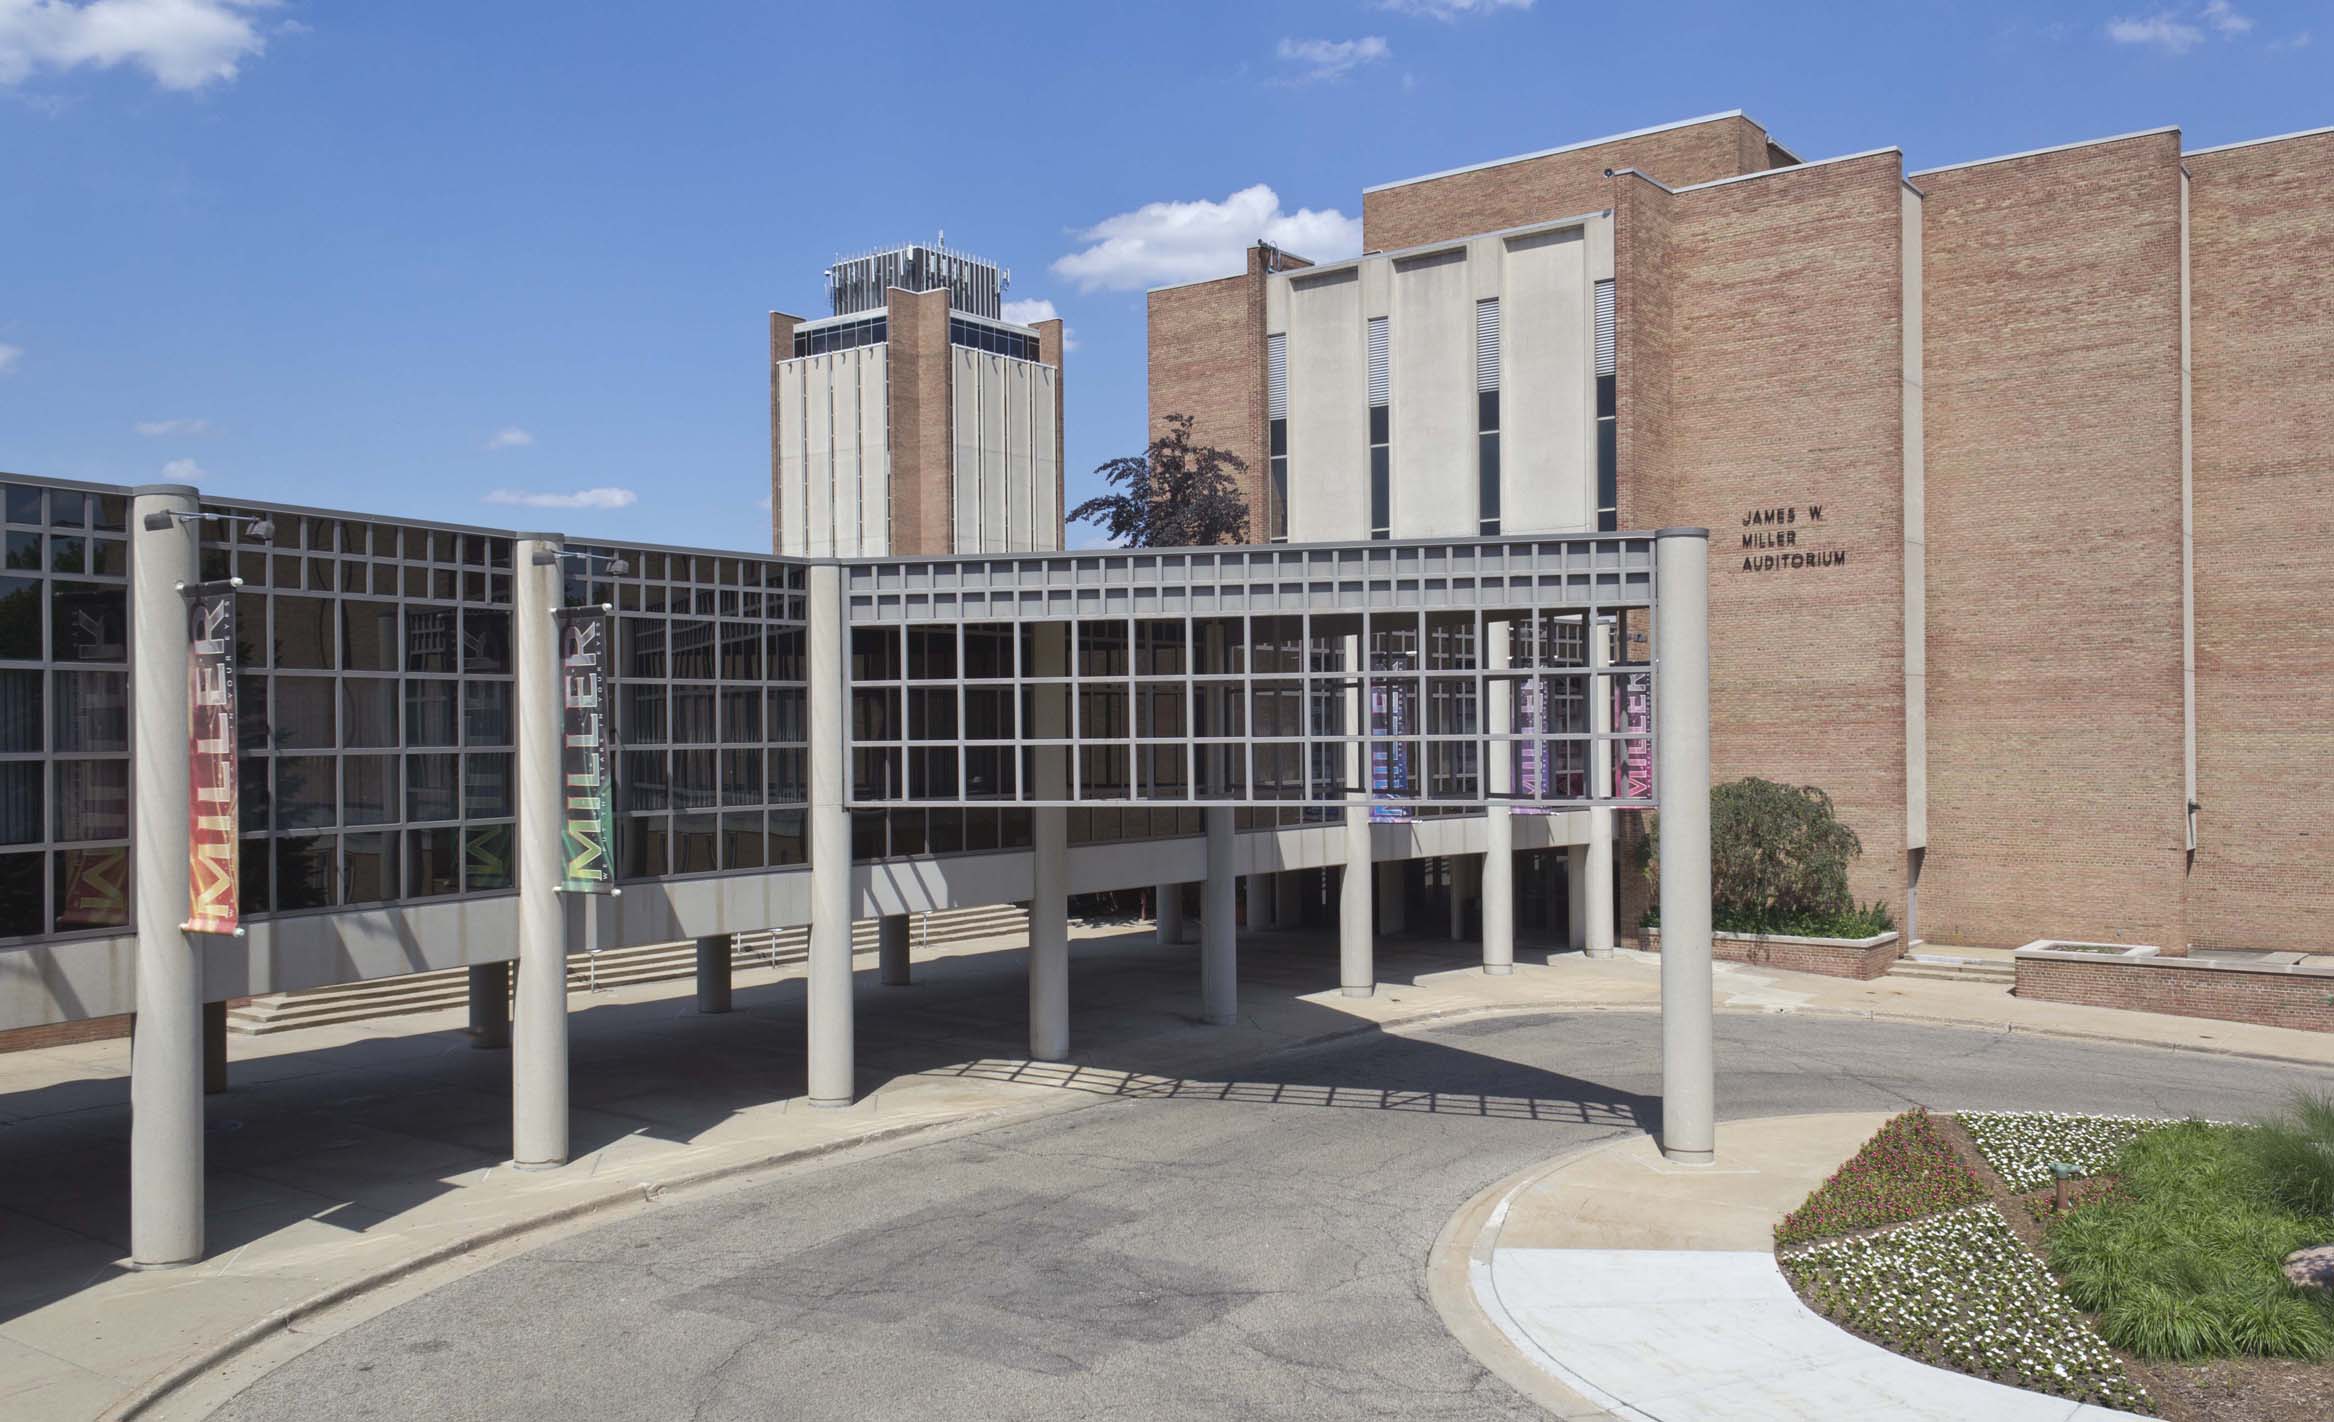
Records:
x=1905, y=1171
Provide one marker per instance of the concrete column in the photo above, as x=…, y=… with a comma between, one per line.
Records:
x=1455, y=895
x=716, y=972
x=1681, y=702
x=833, y=1062
x=1499, y=823
x=1394, y=896
x=1219, y=948
x=892, y=955
x=1357, y=969
x=166, y=1058
x=1576, y=895
x=1262, y=901
x=1167, y=905
x=1357, y=938
x=490, y=1006
x=1289, y=888
x=1049, y=900
x=214, y=1048
x=1597, y=870
x=539, y=1007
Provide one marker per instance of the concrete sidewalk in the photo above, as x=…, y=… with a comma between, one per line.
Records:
x=342, y=1156
x=1613, y=1284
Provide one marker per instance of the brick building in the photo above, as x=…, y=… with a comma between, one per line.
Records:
x=913, y=419
x=2021, y=475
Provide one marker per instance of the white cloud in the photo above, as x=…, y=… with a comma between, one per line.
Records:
x=2223, y=16
x=1447, y=10
x=10, y=358
x=1161, y=243
x=185, y=469
x=508, y=437
x=1033, y=310
x=160, y=429
x=2176, y=32
x=580, y=499
x=1332, y=59
x=183, y=44
x=2300, y=41
x=2160, y=31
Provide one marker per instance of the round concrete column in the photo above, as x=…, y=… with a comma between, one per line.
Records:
x=166, y=1057
x=1219, y=952
x=891, y=950
x=1498, y=874
x=490, y=1006
x=1357, y=930
x=833, y=1060
x=716, y=973
x=1167, y=910
x=1681, y=701
x=539, y=1007
x=1597, y=862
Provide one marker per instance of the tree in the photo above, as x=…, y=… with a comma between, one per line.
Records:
x=1778, y=854
x=1175, y=494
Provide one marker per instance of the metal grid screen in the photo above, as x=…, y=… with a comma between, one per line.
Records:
x=64, y=711
x=375, y=728
x=710, y=724
x=1409, y=676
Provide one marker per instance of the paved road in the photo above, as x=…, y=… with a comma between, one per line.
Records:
x=1251, y=1252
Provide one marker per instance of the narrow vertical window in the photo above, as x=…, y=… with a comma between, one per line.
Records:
x=1487, y=418
x=1276, y=494
x=1381, y=437
x=1608, y=426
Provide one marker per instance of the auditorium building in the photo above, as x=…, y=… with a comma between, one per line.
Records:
x=2019, y=471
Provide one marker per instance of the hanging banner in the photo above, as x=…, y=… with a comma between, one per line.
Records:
x=1633, y=717
x=1390, y=769
x=214, y=864
x=587, y=805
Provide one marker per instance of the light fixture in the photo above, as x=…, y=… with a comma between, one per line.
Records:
x=257, y=528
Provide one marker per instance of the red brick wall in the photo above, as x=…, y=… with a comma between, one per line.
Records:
x=2184, y=988
x=781, y=348
x=923, y=423
x=1050, y=345
x=2056, y=781
x=1784, y=390
x=1831, y=960
x=1558, y=185
x=1207, y=361
x=2261, y=262
x=60, y=1034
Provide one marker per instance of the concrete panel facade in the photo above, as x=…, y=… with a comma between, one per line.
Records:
x=1328, y=409
x=2261, y=248
x=1546, y=345
x=1432, y=334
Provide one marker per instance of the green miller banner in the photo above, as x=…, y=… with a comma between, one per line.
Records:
x=586, y=786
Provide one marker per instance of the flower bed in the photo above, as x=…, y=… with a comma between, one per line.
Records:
x=1963, y=1292
x=2021, y=1146
x=1905, y=1171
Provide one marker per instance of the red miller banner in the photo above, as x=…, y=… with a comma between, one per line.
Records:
x=213, y=866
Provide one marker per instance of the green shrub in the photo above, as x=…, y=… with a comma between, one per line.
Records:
x=1779, y=857
x=2184, y=1259
x=2295, y=1154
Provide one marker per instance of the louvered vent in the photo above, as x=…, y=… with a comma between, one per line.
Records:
x=1276, y=365
x=1605, y=336
x=1487, y=344
x=1377, y=361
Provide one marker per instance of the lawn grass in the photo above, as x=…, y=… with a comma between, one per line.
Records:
x=1905, y=1171
x=2182, y=1260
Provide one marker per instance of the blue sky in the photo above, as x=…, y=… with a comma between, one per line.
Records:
x=402, y=257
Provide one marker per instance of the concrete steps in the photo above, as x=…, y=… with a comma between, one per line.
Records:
x=1955, y=968
x=616, y=967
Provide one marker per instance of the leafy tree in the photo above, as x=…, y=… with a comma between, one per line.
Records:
x=1175, y=494
x=1779, y=856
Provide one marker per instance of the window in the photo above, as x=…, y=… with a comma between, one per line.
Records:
x=1608, y=426
x=996, y=340
x=1487, y=418
x=1276, y=513
x=841, y=336
x=1381, y=436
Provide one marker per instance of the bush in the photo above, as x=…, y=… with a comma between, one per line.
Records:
x=1779, y=861
x=2295, y=1154
x=2184, y=1258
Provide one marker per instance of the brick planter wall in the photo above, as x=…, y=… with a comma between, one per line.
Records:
x=2262, y=994
x=1859, y=958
